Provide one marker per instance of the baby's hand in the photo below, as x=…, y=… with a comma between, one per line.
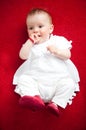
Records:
x=62, y=54
x=52, y=49
x=35, y=38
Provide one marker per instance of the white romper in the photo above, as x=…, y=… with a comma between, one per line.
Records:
x=46, y=75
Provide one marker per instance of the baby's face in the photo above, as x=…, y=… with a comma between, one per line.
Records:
x=39, y=27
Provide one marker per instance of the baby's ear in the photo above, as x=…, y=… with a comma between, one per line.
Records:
x=51, y=28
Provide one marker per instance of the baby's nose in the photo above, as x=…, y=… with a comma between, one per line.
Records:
x=36, y=29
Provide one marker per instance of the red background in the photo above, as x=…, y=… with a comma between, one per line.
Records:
x=69, y=17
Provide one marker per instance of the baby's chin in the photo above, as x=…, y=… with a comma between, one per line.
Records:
x=41, y=41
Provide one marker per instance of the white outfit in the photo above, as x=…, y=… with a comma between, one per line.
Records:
x=46, y=75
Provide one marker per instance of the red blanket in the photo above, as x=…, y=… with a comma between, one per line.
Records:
x=69, y=17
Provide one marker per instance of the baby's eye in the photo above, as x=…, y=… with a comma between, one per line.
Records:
x=30, y=28
x=40, y=26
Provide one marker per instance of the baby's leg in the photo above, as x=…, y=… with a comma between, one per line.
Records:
x=64, y=91
x=27, y=88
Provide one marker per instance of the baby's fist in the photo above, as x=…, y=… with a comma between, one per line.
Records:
x=51, y=48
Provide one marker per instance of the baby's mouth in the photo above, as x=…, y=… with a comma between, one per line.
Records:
x=39, y=35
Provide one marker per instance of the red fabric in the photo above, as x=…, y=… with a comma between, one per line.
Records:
x=69, y=17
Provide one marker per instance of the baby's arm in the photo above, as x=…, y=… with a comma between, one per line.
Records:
x=25, y=49
x=62, y=54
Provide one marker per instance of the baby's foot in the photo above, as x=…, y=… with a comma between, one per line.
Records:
x=53, y=108
x=32, y=102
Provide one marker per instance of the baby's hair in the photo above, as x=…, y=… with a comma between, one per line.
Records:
x=38, y=11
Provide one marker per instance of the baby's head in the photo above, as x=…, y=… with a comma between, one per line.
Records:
x=38, y=11
x=39, y=25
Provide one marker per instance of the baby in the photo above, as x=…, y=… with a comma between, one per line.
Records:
x=47, y=78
